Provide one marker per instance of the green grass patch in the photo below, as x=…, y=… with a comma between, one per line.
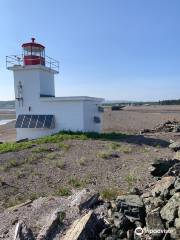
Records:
x=14, y=147
x=131, y=179
x=58, y=138
x=82, y=161
x=63, y=146
x=104, y=154
x=114, y=146
x=40, y=149
x=111, y=193
x=63, y=191
x=11, y=163
x=76, y=183
x=126, y=149
x=60, y=164
x=52, y=156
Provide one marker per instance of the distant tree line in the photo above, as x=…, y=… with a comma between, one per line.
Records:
x=170, y=102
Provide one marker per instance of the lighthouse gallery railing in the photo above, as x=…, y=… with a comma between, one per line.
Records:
x=18, y=60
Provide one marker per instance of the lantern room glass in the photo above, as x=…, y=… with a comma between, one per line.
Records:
x=34, y=51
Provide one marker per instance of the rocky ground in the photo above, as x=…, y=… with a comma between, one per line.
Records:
x=48, y=179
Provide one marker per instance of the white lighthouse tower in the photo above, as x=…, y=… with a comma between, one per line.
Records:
x=38, y=111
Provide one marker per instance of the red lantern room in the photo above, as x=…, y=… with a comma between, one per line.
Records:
x=33, y=53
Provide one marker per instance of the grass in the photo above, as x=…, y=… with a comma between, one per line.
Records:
x=131, y=179
x=63, y=191
x=58, y=138
x=14, y=147
x=126, y=149
x=20, y=174
x=114, y=146
x=104, y=154
x=33, y=159
x=60, y=164
x=82, y=161
x=40, y=149
x=76, y=183
x=52, y=156
x=10, y=164
x=111, y=193
x=64, y=146
x=120, y=148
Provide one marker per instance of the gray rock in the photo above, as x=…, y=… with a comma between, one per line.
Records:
x=175, y=146
x=161, y=166
x=22, y=232
x=132, y=200
x=177, y=223
x=132, y=207
x=169, y=211
x=153, y=221
x=177, y=184
x=174, y=171
x=173, y=233
x=162, y=187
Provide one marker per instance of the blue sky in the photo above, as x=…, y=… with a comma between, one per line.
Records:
x=116, y=49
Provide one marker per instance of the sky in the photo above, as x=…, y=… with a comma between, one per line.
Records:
x=115, y=49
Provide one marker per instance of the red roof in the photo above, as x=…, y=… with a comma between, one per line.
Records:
x=32, y=44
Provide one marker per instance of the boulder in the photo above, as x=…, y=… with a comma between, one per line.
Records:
x=54, y=220
x=177, y=223
x=132, y=207
x=174, y=170
x=153, y=222
x=162, y=166
x=86, y=227
x=170, y=210
x=175, y=146
x=22, y=232
x=161, y=188
x=177, y=184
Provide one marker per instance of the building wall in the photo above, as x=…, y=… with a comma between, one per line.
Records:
x=31, y=89
x=68, y=116
x=47, y=83
x=90, y=111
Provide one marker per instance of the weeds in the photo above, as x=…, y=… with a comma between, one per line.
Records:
x=111, y=193
x=82, y=161
x=76, y=183
x=63, y=191
x=104, y=154
x=40, y=150
x=51, y=156
x=57, y=138
x=131, y=180
x=114, y=146
x=60, y=164
x=126, y=149
x=12, y=163
x=64, y=146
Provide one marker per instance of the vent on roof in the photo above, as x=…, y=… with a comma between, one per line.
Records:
x=35, y=121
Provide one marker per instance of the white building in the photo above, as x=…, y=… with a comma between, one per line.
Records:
x=38, y=111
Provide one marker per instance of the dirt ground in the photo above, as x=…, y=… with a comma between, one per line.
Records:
x=119, y=164
x=133, y=119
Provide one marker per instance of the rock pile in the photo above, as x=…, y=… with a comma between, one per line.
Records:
x=169, y=126
x=150, y=215
x=153, y=215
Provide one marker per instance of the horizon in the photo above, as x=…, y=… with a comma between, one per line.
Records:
x=114, y=50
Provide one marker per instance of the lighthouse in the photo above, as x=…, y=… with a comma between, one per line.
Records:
x=38, y=111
